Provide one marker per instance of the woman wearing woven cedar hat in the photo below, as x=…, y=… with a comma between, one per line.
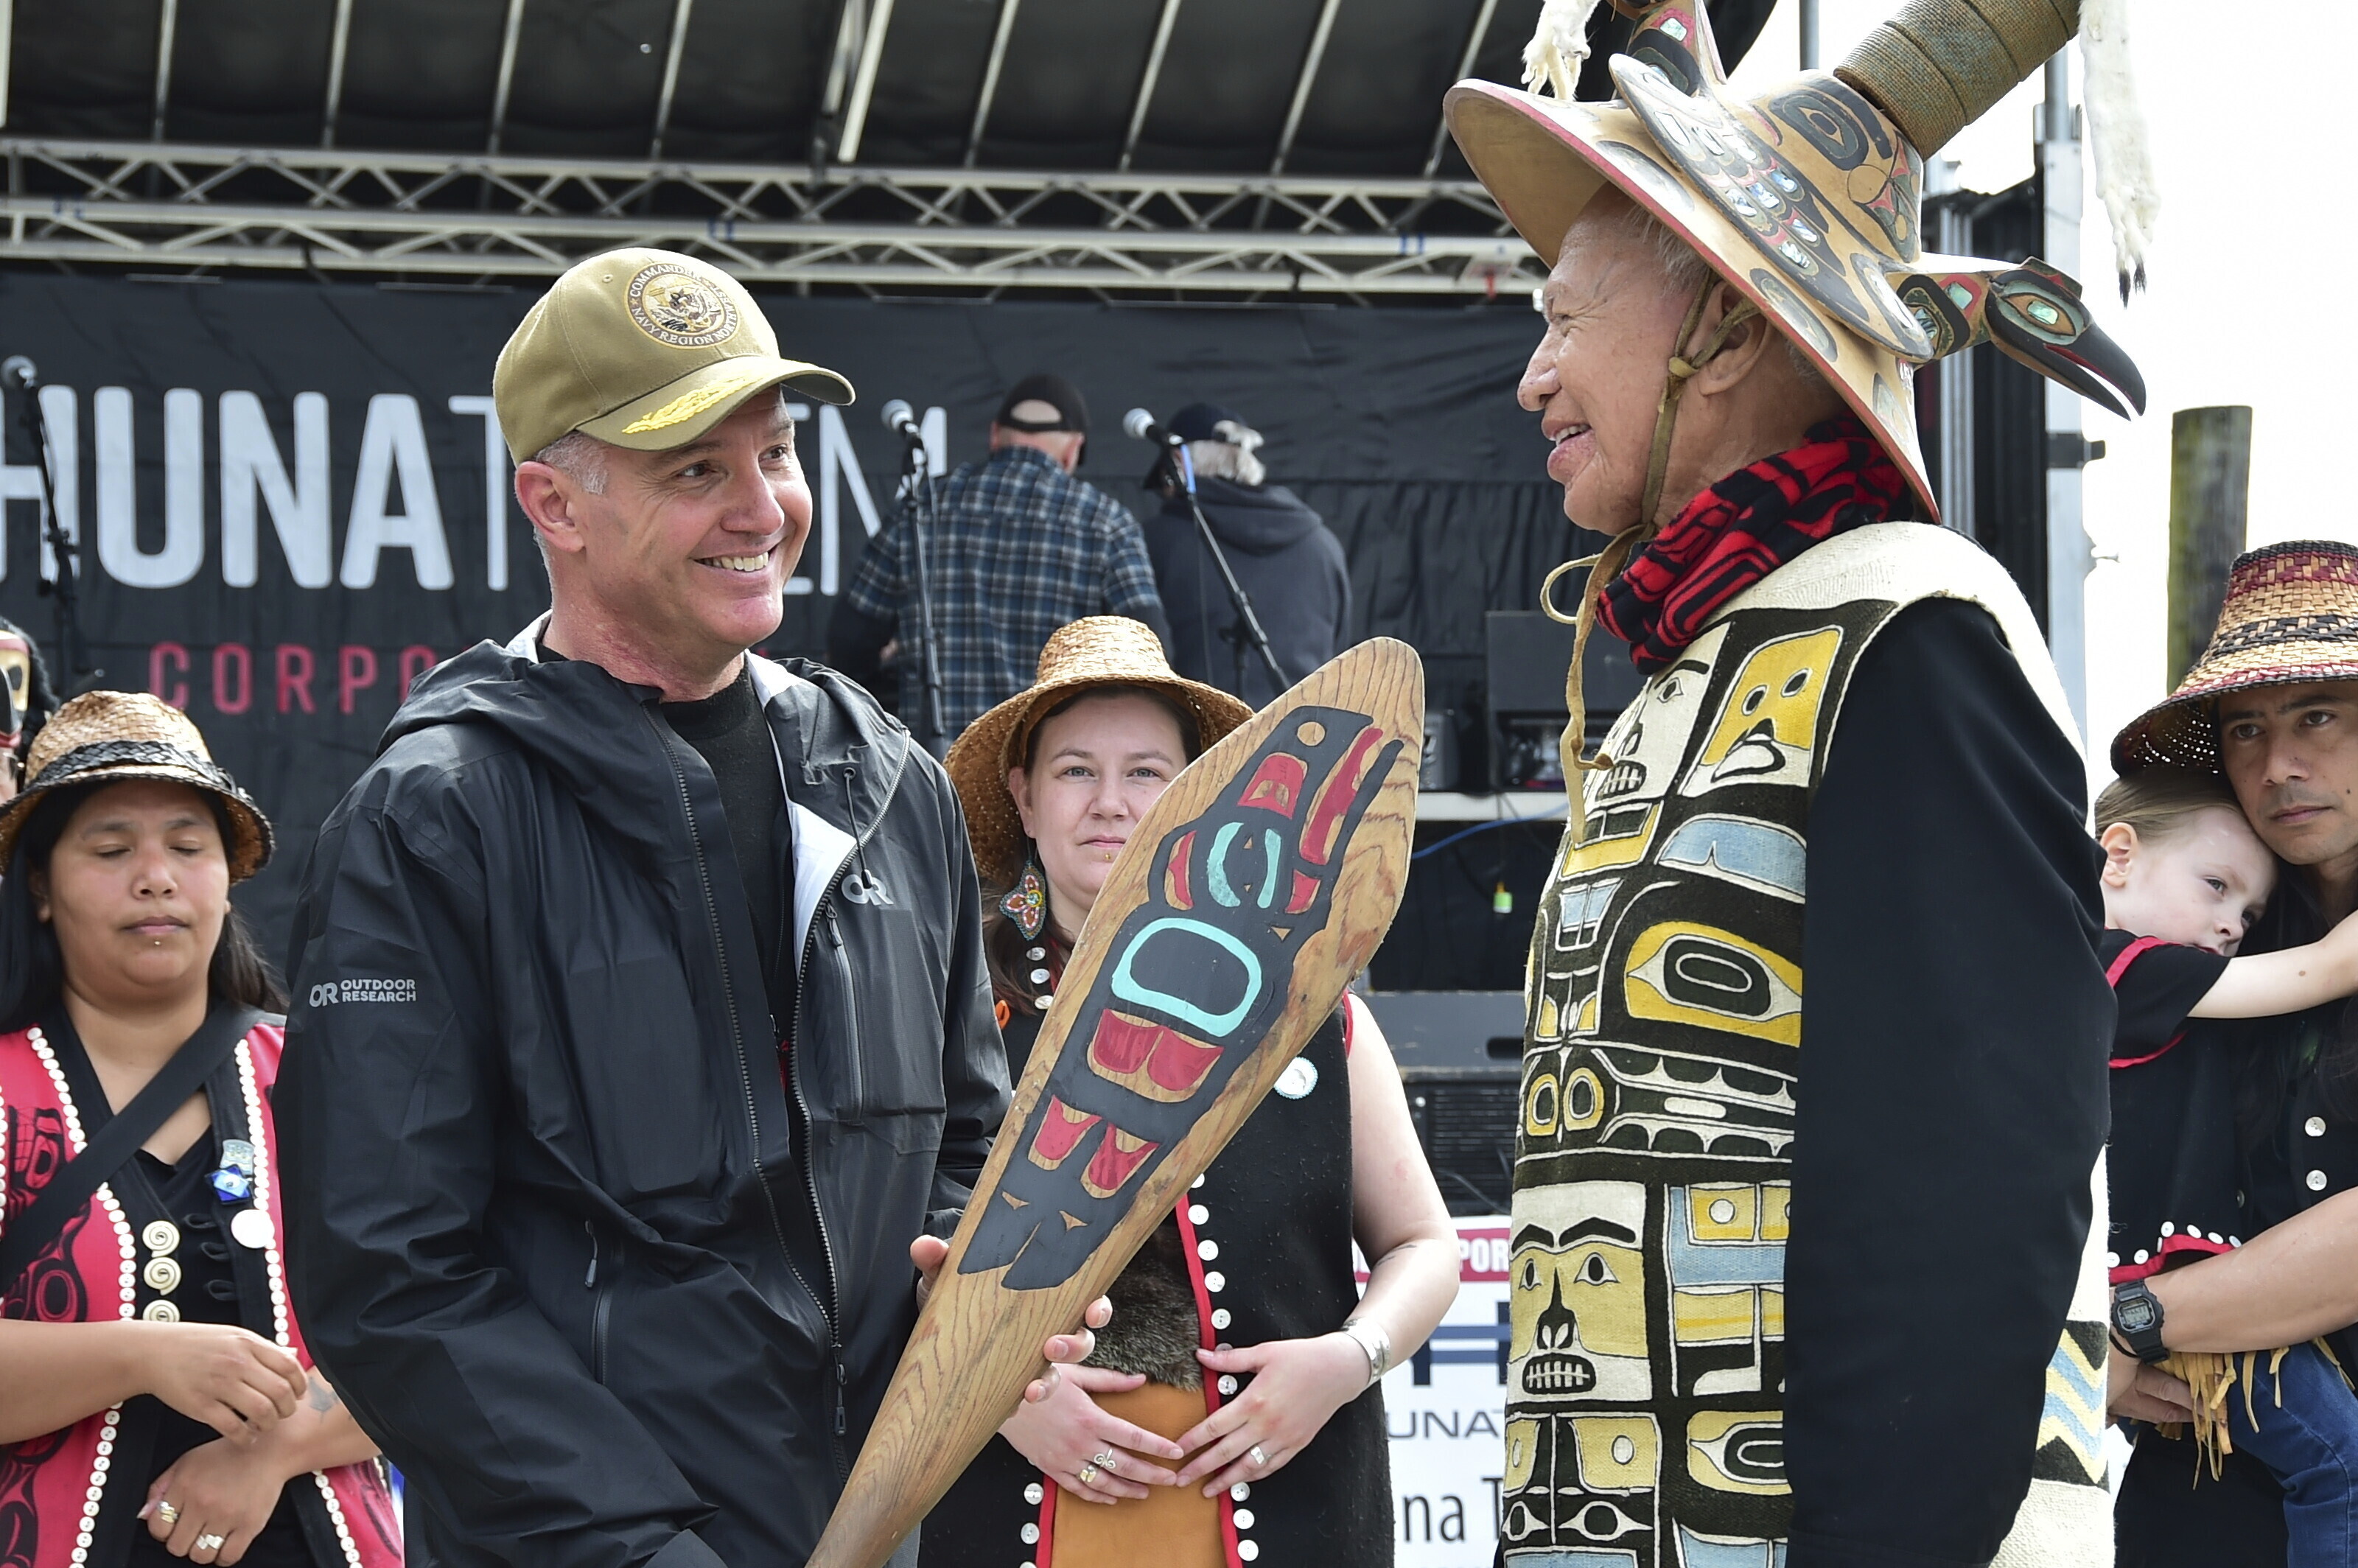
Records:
x=1839, y=708
x=155, y=1398
x=1229, y=1413
x=2273, y=705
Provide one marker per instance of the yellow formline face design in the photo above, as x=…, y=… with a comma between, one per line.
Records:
x=1578, y=1298
x=1685, y=972
x=1768, y=728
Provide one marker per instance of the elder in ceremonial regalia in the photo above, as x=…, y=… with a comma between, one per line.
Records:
x=1803, y=1212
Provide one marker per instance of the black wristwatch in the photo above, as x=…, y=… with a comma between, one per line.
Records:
x=2137, y=1321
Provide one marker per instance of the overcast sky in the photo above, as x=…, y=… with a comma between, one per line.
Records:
x=2244, y=303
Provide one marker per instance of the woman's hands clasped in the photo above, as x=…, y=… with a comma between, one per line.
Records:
x=1297, y=1386
x=216, y=1498
x=1087, y=1451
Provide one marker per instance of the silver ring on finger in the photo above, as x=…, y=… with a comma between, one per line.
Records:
x=1257, y=1456
x=1105, y=1461
x=1087, y=1475
x=208, y=1543
x=168, y=1511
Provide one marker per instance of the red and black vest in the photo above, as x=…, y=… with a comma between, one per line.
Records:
x=72, y=1497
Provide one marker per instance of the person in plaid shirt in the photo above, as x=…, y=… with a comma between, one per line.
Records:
x=1021, y=548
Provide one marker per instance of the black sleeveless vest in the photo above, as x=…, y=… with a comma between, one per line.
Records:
x=1267, y=1237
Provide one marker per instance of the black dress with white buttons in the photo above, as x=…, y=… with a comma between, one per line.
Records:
x=1267, y=1235
x=2171, y=1165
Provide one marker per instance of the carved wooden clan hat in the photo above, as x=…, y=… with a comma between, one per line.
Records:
x=1806, y=197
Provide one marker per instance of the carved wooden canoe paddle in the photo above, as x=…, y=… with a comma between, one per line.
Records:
x=1259, y=884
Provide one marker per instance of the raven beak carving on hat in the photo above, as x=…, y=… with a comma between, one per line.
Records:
x=1806, y=197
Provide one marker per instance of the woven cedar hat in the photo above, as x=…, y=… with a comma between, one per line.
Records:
x=2292, y=614
x=1101, y=650
x=106, y=737
x=1806, y=197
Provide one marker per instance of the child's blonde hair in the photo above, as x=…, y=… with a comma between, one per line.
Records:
x=2159, y=801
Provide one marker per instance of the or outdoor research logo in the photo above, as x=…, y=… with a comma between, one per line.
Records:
x=332, y=994
x=680, y=308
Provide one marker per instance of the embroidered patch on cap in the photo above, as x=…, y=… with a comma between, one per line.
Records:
x=676, y=307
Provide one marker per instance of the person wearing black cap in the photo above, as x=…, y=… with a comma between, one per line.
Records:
x=1287, y=560
x=1017, y=548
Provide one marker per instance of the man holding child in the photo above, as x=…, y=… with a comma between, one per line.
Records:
x=2269, y=713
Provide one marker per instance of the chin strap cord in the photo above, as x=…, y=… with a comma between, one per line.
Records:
x=1609, y=562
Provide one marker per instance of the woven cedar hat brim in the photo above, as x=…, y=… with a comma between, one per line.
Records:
x=112, y=737
x=2290, y=617
x=1097, y=651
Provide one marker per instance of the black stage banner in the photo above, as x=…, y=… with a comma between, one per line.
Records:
x=293, y=498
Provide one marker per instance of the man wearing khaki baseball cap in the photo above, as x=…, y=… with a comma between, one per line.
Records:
x=641, y=1019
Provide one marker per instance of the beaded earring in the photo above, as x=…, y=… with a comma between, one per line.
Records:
x=1026, y=903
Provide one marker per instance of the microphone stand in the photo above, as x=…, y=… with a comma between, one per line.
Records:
x=1247, y=630
x=65, y=589
x=917, y=492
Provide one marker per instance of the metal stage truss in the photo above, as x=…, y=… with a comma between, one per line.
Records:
x=483, y=217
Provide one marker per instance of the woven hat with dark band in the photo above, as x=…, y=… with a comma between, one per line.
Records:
x=1102, y=650
x=2291, y=615
x=108, y=737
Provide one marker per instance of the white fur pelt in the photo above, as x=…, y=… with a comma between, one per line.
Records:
x=2124, y=182
x=1230, y=455
x=1559, y=47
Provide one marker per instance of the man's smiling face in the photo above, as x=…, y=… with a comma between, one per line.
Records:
x=691, y=548
x=2291, y=752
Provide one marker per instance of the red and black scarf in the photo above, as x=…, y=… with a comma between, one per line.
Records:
x=1740, y=530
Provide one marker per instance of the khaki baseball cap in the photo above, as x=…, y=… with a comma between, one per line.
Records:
x=641, y=349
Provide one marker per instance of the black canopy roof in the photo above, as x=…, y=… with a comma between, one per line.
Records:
x=776, y=82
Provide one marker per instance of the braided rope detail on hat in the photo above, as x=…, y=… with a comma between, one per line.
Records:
x=1940, y=65
x=156, y=753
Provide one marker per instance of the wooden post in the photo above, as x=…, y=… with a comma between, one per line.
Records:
x=2210, y=502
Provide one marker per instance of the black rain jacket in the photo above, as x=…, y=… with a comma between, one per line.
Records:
x=551, y=1205
x=1287, y=560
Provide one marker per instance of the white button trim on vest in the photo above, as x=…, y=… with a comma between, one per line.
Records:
x=2317, y=1181
x=2314, y=1127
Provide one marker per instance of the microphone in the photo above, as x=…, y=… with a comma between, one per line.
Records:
x=20, y=372
x=901, y=420
x=1140, y=424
